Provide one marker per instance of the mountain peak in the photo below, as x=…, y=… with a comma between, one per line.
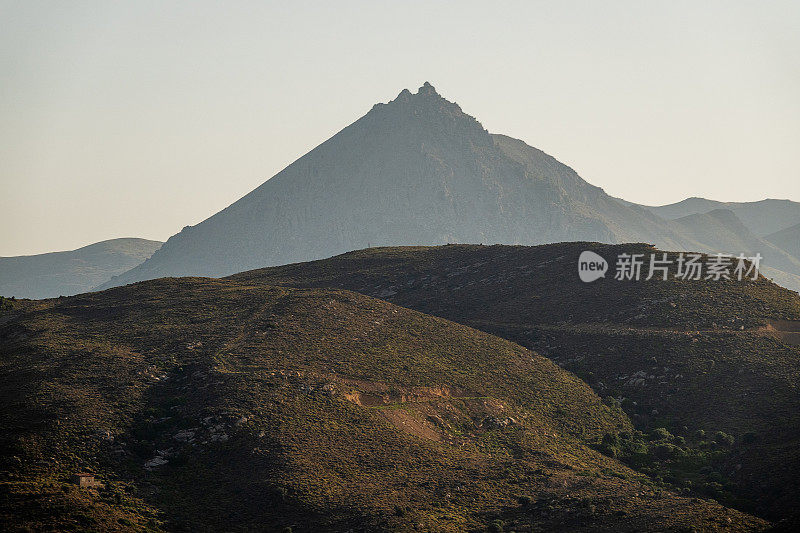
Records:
x=427, y=88
x=415, y=170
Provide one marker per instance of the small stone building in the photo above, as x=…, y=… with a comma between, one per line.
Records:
x=85, y=480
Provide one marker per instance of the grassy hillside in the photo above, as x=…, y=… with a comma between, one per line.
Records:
x=207, y=405
x=687, y=356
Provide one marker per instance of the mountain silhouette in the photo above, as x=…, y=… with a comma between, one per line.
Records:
x=66, y=273
x=420, y=171
x=417, y=170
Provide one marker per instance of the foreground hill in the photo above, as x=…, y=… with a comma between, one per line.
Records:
x=688, y=356
x=208, y=405
x=67, y=273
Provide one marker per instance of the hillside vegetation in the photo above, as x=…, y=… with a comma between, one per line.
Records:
x=208, y=405
x=692, y=357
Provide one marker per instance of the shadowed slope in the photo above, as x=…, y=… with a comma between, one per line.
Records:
x=215, y=404
x=687, y=355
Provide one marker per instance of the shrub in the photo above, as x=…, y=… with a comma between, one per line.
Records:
x=664, y=451
x=611, y=439
x=612, y=402
x=713, y=488
x=524, y=501
x=636, y=447
x=720, y=437
x=611, y=451
x=660, y=434
x=700, y=434
x=496, y=526
x=679, y=441
x=749, y=438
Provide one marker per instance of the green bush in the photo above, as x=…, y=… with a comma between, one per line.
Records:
x=612, y=402
x=722, y=438
x=611, y=451
x=635, y=447
x=664, y=451
x=496, y=526
x=660, y=434
x=611, y=439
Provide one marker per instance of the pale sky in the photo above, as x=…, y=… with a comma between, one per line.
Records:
x=134, y=119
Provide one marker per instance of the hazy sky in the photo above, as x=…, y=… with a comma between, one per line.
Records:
x=138, y=118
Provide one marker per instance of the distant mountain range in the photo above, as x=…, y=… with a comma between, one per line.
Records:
x=67, y=273
x=762, y=218
x=788, y=239
x=420, y=171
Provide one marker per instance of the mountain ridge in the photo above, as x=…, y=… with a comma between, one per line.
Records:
x=762, y=217
x=787, y=239
x=71, y=272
